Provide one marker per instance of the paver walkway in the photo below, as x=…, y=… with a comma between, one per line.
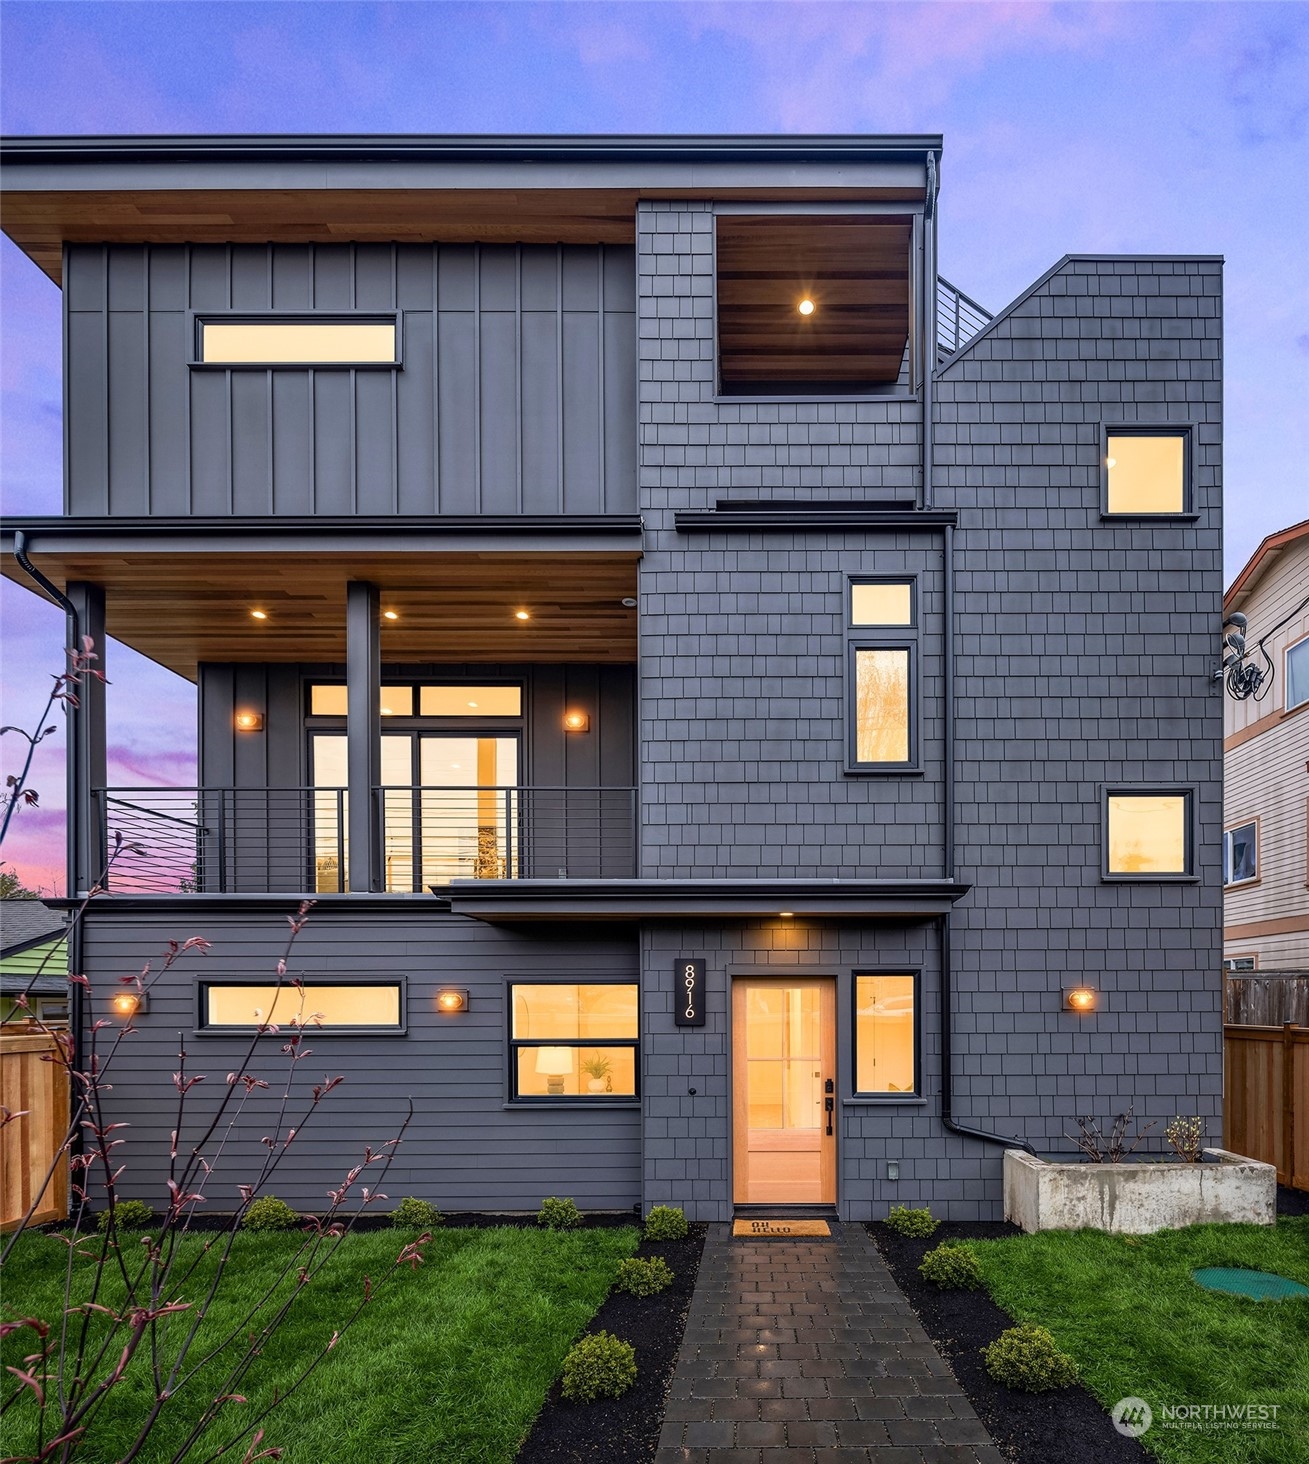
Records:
x=806, y=1352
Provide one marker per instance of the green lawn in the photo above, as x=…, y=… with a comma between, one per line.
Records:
x=449, y=1363
x=1137, y=1325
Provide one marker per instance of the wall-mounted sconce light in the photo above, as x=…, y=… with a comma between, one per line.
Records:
x=249, y=721
x=893, y=1169
x=577, y=722
x=450, y=1000
x=129, y=1003
x=1082, y=998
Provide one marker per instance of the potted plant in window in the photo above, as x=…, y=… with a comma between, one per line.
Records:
x=598, y=1068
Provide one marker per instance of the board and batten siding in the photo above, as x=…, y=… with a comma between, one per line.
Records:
x=466, y=1147
x=517, y=392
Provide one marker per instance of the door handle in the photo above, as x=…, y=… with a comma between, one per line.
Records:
x=829, y=1103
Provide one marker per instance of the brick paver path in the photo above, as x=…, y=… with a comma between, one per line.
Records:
x=806, y=1352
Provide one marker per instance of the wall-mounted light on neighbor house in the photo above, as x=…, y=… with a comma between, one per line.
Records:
x=249, y=721
x=1082, y=998
x=450, y=1000
x=577, y=721
x=128, y=1004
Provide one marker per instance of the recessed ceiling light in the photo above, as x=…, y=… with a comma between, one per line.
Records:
x=472, y=704
x=629, y=603
x=522, y=614
x=259, y=614
x=806, y=307
x=786, y=914
x=389, y=615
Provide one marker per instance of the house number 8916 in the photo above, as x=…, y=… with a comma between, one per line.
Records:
x=688, y=993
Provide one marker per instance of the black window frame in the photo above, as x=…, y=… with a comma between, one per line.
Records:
x=1187, y=791
x=198, y=319
x=916, y=1095
x=894, y=637
x=1186, y=431
x=570, y=1100
x=204, y=1028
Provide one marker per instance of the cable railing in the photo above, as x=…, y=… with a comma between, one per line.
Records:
x=297, y=840
x=958, y=317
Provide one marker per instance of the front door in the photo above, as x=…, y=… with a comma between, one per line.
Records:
x=783, y=1073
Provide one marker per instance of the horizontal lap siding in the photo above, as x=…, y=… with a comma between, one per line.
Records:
x=517, y=393
x=464, y=1148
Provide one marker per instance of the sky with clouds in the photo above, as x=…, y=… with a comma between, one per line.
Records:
x=1069, y=128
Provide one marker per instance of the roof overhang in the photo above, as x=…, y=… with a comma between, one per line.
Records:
x=420, y=189
x=1260, y=562
x=639, y=900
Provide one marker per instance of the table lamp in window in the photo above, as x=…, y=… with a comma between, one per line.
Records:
x=554, y=1064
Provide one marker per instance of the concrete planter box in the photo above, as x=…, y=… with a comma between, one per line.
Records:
x=1134, y=1198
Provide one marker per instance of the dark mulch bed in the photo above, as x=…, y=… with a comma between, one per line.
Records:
x=1292, y=1201
x=381, y=1220
x=1024, y=1426
x=625, y=1428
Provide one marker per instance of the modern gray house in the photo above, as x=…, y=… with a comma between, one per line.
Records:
x=746, y=716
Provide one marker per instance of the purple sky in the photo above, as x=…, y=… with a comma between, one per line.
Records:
x=1068, y=128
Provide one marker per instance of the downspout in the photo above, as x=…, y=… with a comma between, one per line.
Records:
x=75, y=947
x=929, y=321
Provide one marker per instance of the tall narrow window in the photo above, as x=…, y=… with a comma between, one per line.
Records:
x=1147, y=834
x=1297, y=674
x=1241, y=853
x=573, y=1041
x=882, y=648
x=1146, y=471
x=886, y=1034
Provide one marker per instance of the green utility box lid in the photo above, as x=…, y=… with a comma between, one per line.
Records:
x=1261, y=1285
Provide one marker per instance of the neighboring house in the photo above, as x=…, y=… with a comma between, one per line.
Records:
x=1266, y=765
x=33, y=962
x=723, y=690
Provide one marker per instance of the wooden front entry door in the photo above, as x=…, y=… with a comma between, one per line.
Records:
x=783, y=1057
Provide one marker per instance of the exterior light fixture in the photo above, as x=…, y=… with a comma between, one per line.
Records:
x=522, y=614
x=389, y=615
x=259, y=614
x=450, y=1000
x=786, y=914
x=629, y=602
x=128, y=1004
x=893, y=1169
x=249, y=721
x=805, y=307
x=577, y=722
x=1082, y=998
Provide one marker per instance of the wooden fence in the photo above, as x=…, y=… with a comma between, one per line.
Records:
x=34, y=1085
x=1266, y=1097
x=1266, y=998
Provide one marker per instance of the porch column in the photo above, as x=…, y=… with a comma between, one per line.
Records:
x=87, y=766
x=363, y=679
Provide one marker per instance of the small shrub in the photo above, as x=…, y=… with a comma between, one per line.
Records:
x=557, y=1214
x=1025, y=1357
x=951, y=1267
x=128, y=1215
x=599, y=1366
x=1186, y=1136
x=269, y=1213
x=666, y=1222
x=415, y=1214
x=915, y=1223
x=643, y=1276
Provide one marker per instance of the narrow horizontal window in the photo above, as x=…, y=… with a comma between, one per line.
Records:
x=470, y=701
x=881, y=705
x=1297, y=675
x=327, y=701
x=887, y=602
x=886, y=1034
x=317, y=1004
x=573, y=1041
x=1148, y=834
x=1241, y=854
x=297, y=342
x=1240, y=963
x=1146, y=473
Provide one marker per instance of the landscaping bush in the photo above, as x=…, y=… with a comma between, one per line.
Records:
x=415, y=1214
x=557, y=1214
x=269, y=1213
x=128, y=1215
x=643, y=1277
x=599, y=1366
x=665, y=1222
x=1025, y=1357
x=951, y=1267
x=915, y=1223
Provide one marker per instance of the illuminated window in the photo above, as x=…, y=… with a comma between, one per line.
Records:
x=1241, y=854
x=573, y=1041
x=881, y=602
x=330, y=701
x=882, y=720
x=1148, y=834
x=271, y=342
x=324, y=1005
x=885, y=1034
x=470, y=701
x=1145, y=472
x=1297, y=675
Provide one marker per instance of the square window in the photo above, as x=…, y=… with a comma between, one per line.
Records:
x=886, y=1034
x=1147, y=834
x=1297, y=675
x=1145, y=472
x=882, y=730
x=573, y=1041
x=1241, y=854
x=881, y=602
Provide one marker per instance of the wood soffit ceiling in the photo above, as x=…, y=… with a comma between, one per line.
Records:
x=41, y=221
x=181, y=609
x=855, y=269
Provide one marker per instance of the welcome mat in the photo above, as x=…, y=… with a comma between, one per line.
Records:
x=753, y=1229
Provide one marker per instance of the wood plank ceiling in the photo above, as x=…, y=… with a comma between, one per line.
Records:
x=181, y=609
x=855, y=270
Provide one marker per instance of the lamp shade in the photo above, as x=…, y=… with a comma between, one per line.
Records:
x=554, y=1062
